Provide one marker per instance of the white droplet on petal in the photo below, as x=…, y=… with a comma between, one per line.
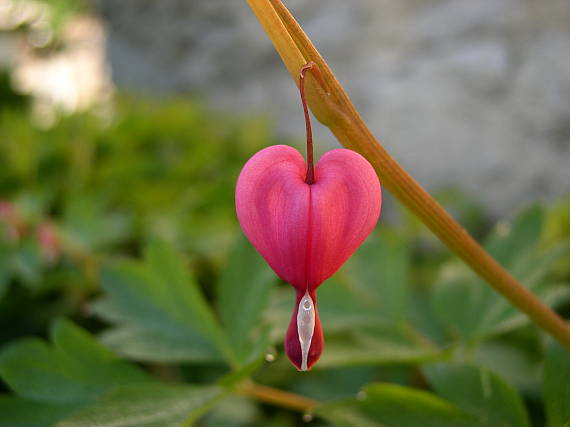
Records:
x=305, y=327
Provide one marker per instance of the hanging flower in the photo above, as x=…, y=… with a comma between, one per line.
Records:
x=306, y=222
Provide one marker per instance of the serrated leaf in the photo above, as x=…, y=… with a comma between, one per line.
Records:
x=473, y=310
x=146, y=405
x=479, y=392
x=159, y=299
x=557, y=385
x=243, y=292
x=74, y=371
x=54, y=381
x=83, y=383
x=389, y=405
x=184, y=294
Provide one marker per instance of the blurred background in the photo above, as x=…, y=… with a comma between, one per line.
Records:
x=126, y=121
x=473, y=94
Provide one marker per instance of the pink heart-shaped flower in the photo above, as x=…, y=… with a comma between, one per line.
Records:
x=304, y=231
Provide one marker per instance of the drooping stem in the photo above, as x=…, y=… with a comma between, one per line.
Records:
x=310, y=178
x=332, y=106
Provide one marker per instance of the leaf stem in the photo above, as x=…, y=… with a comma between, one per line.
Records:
x=277, y=397
x=332, y=106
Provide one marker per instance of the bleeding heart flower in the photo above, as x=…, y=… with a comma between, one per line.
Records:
x=306, y=224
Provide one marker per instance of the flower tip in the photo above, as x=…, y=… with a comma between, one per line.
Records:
x=304, y=340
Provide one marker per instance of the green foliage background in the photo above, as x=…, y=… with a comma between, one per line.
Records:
x=154, y=309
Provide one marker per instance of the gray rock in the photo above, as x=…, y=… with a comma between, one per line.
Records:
x=463, y=93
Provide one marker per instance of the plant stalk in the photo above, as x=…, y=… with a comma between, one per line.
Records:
x=332, y=106
x=278, y=397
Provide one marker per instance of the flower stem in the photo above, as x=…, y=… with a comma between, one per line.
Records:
x=332, y=106
x=310, y=178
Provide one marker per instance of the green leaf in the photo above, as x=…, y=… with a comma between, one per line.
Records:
x=18, y=412
x=389, y=405
x=54, y=381
x=157, y=302
x=377, y=275
x=146, y=405
x=533, y=270
x=472, y=309
x=424, y=319
x=187, y=301
x=33, y=370
x=83, y=383
x=375, y=345
x=557, y=385
x=478, y=392
x=140, y=343
x=509, y=241
x=518, y=365
x=88, y=225
x=74, y=371
x=239, y=411
x=243, y=293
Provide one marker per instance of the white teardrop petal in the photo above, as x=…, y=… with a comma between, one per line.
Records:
x=305, y=327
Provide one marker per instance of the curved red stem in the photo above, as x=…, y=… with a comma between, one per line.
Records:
x=310, y=178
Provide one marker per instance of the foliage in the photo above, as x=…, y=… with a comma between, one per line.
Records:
x=127, y=227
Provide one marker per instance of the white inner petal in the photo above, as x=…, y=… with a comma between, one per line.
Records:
x=305, y=327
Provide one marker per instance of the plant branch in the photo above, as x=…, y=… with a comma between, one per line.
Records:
x=332, y=106
x=277, y=397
